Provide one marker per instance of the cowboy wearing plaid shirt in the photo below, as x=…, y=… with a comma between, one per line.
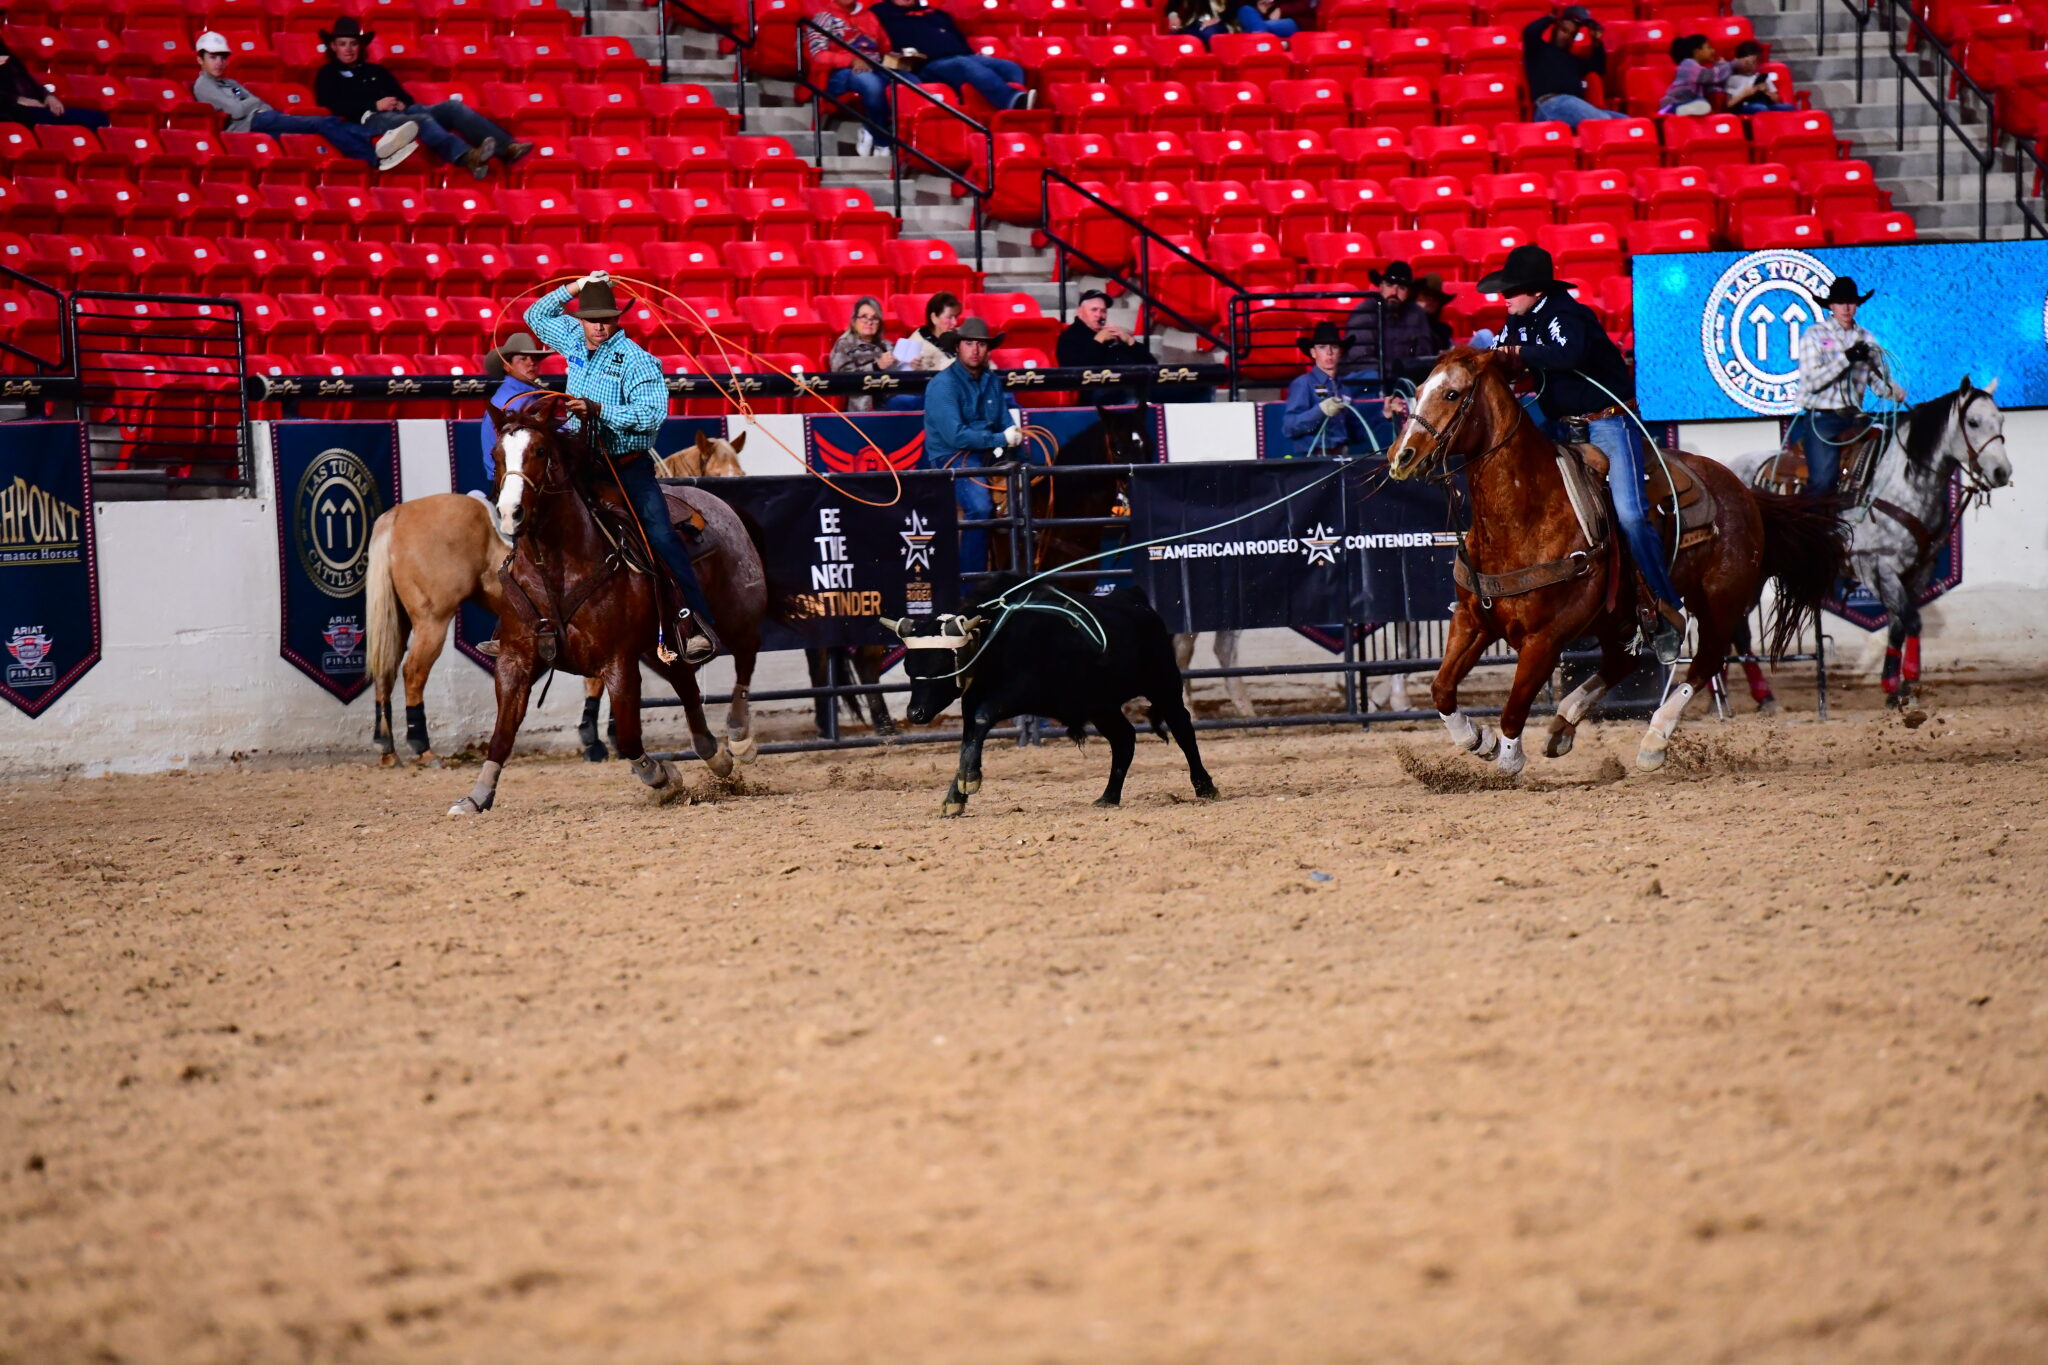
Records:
x=1838, y=360
x=620, y=399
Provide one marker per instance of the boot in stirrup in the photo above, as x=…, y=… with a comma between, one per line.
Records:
x=1667, y=640
x=700, y=646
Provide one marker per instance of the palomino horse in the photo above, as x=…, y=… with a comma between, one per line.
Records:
x=576, y=600
x=1528, y=573
x=429, y=556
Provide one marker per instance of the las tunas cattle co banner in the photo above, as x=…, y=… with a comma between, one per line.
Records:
x=49, y=579
x=1288, y=543
x=333, y=480
x=1717, y=333
x=846, y=549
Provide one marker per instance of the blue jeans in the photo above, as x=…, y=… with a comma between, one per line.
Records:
x=1764, y=107
x=1250, y=20
x=994, y=79
x=348, y=138
x=81, y=118
x=1824, y=434
x=1571, y=111
x=872, y=88
x=1625, y=456
x=637, y=475
x=1206, y=31
x=905, y=402
x=449, y=129
x=976, y=499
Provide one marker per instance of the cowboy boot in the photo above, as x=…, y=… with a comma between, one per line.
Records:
x=700, y=645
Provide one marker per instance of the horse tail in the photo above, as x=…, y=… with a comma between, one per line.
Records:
x=783, y=607
x=386, y=626
x=1806, y=552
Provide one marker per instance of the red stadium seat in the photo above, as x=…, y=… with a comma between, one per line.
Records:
x=1087, y=156
x=776, y=215
x=1020, y=316
x=1300, y=154
x=1460, y=149
x=771, y=268
x=1118, y=58
x=1160, y=206
x=1491, y=48
x=1516, y=200
x=1252, y=259
x=1338, y=257
x=680, y=109
x=1328, y=53
x=1226, y=206
x=1403, y=102
x=1425, y=250
x=1670, y=234
x=1583, y=251
x=928, y=266
x=852, y=266
x=1086, y=107
x=1748, y=193
x=1620, y=144
x=1366, y=206
x=546, y=217
x=1796, y=230
x=1417, y=52
x=1256, y=57
x=694, y=163
x=607, y=110
x=1677, y=192
x=1179, y=57
x=1293, y=209
x=1239, y=106
x=1020, y=166
x=1544, y=148
x=765, y=161
x=1166, y=106
x=610, y=58
x=1837, y=187
x=1230, y=155
x=1487, y=248
x=1608, y=195
x=1434, y=201
x=691, y=269
x=1483, y=97
x=1377, y=153
x=789, y=325
x=1794, y=138
x=1158, y=156
x=1868, y=228
x=1707, y=140
x=1316, y=104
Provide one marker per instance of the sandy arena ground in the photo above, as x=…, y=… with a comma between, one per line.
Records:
x=1743, y=1062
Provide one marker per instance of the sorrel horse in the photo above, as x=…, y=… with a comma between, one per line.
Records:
x=1530, y=576
x=576, y=600
x=429, y=556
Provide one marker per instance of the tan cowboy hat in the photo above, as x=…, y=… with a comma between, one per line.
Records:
x=595, y=302
x=519, y=343
x=973, y=329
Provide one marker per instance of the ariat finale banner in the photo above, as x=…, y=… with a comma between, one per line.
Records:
x=333, y=480
x=845, y=549
x=1288, y=543
x=49, y=576
x=473, y=624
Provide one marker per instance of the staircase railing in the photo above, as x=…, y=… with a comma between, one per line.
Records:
x=66, y=361
x=160, y=387
x=741, y=42
x=899, y=144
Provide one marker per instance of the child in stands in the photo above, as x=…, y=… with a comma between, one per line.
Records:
x=1751, y=90
x=1700, y=75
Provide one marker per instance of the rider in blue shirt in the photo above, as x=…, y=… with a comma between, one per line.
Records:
x=517, y=362
x=966, y=418
x=1332, y=415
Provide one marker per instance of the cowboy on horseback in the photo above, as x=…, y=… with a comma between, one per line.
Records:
x=1838, y=360
x=516, y=364
x=1581, y=377
x=619, y=400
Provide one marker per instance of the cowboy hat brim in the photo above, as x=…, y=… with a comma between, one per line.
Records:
x=1308, y=345
x=1827, y=300
x=1500, y=283
x=951, y=340
x=327, y=39
x=1389, y=276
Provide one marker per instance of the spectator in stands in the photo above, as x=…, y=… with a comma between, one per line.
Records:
x=859, y=69
x=1409, y=342
x=1202, y=19
x=1838, y=360
x=1749, y=90
x=861, y=349
x=245, y=113
x=1432, y=298
x=24, y=100
x=1091, y=341
x=1263, y=16
x=921, y=350
x=517, y=363
x=1557, y=75
x=967, y=418
x=1700, y=75
x=363, y=92
x=929, y=39
x=1326, y=414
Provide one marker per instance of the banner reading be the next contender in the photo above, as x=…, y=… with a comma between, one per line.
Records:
x=1717, y=332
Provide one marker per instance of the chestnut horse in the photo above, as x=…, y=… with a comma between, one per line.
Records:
x=1558, y=587
x=430, y=555
x=575, y=600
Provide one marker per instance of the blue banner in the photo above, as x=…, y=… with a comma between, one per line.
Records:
x=333, y=480
x=1717, y=332
x=49, y=577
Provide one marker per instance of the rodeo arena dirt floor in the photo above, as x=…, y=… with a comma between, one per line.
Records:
x=1746, y=1061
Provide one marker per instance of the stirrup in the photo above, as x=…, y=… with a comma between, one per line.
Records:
x=700, y=646
x=488, y=648
x=1667, y=642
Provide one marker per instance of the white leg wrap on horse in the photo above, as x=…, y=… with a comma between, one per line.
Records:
x=481, y=795
x=1511, y=760
x=1573, y=708
x=1666, y=719
x=1463, y=733
x=650, y=771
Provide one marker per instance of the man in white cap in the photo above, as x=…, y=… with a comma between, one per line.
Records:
x=247, y=113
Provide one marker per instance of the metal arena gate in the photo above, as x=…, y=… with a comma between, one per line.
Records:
x=1366, y=650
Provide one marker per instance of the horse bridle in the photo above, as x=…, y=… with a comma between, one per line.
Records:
x=1974, y=484
x=1444, y=474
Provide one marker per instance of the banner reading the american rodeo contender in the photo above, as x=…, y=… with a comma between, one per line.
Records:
x=49, y=579
x=333, y=481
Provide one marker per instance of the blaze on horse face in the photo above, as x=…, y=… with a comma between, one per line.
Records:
x=937, y=650
x=1435, y=412
x=519, y=437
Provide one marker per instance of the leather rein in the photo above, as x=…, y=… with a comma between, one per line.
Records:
x=1974, y=488
x=548, y=626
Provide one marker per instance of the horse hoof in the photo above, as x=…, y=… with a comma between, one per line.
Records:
x=468, y=806
x=1767, y=706
x=1108, y=802
x=951, y=809
x=745, y=748
x=970, y=785
x=1488, y=745
x=595, y=753
x=720, y=763
x=428, y=759
x=886, y=730
x=1650, y=756
x=387, y=759
x=1207, y=792
x=1559, y=743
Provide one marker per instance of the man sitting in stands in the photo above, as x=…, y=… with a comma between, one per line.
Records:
x=929, y=38
x=1557, y=75
x=1091, y=341
x=1409, y=342
x=24, y=100
x=246, y=113
x=1332, y=415
x=845, y=40
x=363, y=92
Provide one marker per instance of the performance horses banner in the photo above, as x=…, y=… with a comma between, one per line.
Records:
x=1717, y=333
x=847, y=549
x=49, y=577
x=333, y=480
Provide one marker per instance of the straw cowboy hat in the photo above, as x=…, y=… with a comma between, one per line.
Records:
x=973, y=329
x=347, y=27
x=1843, y=290
x=1325, y=334
x=519, y=343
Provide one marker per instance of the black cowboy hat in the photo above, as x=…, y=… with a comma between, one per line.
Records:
x=347, y=27
x=1843, y=290
x=1398, y=272
x=595, y=302
x=1325, y=334
x=1432, y=284
x=1529, y=270
x=973, y=329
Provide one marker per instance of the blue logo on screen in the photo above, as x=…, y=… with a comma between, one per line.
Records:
x=1751, y=327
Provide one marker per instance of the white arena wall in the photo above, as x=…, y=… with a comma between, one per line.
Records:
x=191, y=674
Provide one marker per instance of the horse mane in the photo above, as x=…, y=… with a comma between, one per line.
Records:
x=1925, y=424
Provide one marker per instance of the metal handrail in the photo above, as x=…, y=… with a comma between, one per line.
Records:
x=740, y=44
x=66, y=362
x=898, y=144
x=1142, y=286
x=1862, y=11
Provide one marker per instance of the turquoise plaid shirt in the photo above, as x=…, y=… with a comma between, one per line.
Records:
x=619, y=376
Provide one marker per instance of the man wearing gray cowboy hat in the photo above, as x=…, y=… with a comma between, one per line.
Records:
x=517, y=363
x=1407, y=328
x=1332, y=415
x=1838, y=360
x=361, y=91
x=619, y=399
x=967, y=418
x=1583, y=377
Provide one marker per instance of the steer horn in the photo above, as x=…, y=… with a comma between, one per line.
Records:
x=897, y=628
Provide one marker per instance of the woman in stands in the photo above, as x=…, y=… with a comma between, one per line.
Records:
x=24, y=100
x=1699, y=78
x=861, y=349
x=1198, y=18
x=921, y=350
